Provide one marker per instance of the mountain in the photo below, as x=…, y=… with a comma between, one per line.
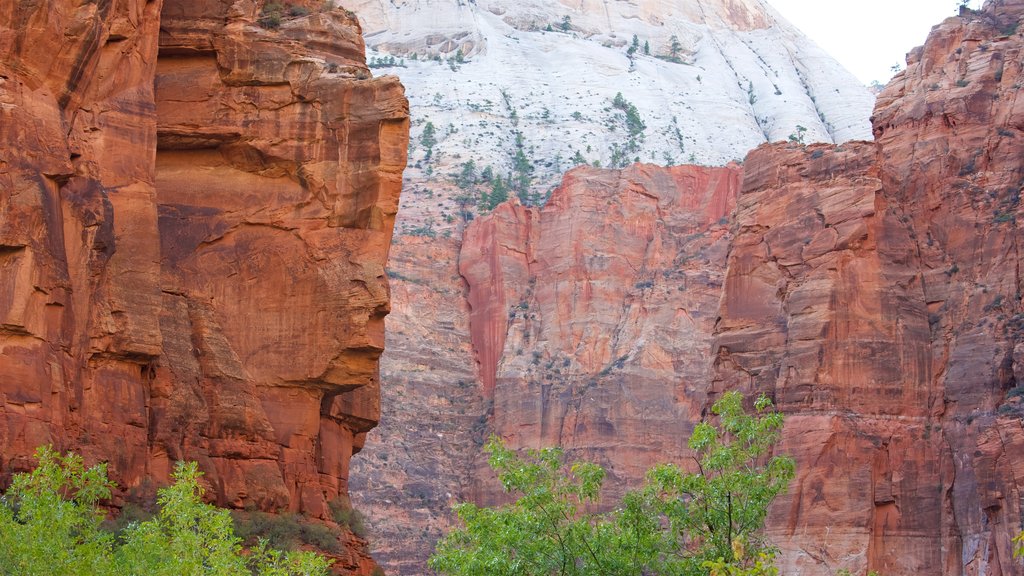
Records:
x=871, y=288
x=524, y=91
x=708, y=81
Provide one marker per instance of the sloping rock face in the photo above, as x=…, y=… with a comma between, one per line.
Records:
x=717, y=78
x=194, y=220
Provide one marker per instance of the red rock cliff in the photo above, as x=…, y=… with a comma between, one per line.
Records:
x=591, y=316
x=195, y=213
x=873, y=289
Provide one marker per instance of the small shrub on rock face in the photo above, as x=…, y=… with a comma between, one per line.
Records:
x=345, y=515
x=279, y=530
x=270, y=15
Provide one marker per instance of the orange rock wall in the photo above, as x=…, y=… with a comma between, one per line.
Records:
x=195, y=214
x=600, y=307
x=872, y=289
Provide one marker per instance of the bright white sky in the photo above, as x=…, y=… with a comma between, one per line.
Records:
x=868, y=36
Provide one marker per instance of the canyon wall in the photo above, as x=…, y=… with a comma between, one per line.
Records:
x=194, y=220
x=872, y=289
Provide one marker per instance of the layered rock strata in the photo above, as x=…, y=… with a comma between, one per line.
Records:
x=194, y=220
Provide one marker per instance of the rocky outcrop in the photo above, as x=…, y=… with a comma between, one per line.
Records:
x=195, y=216
x=604, y=293
x=434, y=417
x=874, y=291
x=601, y=293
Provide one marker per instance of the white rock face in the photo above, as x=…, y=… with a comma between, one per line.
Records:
x=745, y=76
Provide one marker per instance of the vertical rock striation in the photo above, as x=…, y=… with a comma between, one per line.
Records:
x=194, y=220
x=590, y=316
x=874, y=290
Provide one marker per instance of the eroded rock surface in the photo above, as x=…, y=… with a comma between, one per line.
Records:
x=871, y=288
x=194, y=221
x=874, y=291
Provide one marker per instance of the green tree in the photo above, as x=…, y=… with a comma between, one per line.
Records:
x=797, y=137
x=428, y=138
x=675, y=49
x=718, y=510
x=42, y=532
x=467, y=176
x=497, y=195
x=622, y=152
x=679, y=523
x=50, y=523
x=566, y=24
x=522, y=171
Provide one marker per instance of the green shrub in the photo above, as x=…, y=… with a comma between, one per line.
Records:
x=279, y=530
x=320, y=536
x=678, y=523
x=51, y=522
x=271, y=15
x=345, y=515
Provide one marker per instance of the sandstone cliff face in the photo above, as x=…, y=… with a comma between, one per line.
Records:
x=433, y=415
x=604, y=293
x=823, y=309
x=194, y=222
x=872, y=288
x=608, y=292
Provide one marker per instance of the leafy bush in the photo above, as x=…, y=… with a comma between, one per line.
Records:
x=51, y=523
x=678, y=523
x=279, y=530
x=271, y=14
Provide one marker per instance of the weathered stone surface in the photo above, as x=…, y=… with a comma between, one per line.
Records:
x=600, y=307
x=872, y=288
x=194, y=221
x=434, y=416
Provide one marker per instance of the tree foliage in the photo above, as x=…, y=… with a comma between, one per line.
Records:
x=679, y=523
x=716, y=512
x=51, y=523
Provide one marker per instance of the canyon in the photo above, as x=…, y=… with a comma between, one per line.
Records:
x=195, y=218
x=196, y=259
x=871, y=288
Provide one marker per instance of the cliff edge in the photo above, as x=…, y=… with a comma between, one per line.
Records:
x=195, y=214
